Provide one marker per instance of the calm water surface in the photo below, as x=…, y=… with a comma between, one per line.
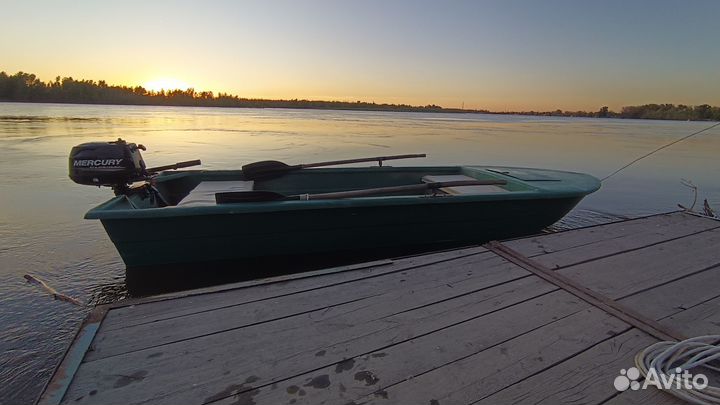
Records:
x=42, y=231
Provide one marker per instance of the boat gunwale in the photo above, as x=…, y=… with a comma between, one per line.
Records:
x=591, y=184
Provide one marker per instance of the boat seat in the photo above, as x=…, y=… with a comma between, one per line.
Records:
x=462, y=190
x=204, y=193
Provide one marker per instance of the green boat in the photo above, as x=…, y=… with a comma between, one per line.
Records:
x=181, y=217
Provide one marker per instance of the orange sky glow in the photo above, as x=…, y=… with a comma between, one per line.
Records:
x=501, y=56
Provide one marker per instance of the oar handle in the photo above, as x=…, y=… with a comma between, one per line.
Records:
x=379, y=159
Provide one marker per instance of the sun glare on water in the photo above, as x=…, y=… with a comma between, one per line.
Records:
x=166, y=84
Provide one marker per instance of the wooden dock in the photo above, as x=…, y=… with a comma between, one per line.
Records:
x=544, y=319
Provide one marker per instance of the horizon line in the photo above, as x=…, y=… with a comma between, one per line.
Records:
x=197, y=94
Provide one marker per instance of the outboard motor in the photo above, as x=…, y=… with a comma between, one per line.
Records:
x=115, y=164
x=112, y=164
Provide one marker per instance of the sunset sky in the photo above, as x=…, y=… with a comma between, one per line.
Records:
x=499, y=55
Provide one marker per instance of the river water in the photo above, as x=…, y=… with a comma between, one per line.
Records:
x=42, y=231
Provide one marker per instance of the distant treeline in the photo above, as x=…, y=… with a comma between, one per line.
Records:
x=26, y=87
x=703, y=112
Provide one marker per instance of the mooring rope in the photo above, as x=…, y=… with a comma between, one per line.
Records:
x=673, y=359
x=658, y=150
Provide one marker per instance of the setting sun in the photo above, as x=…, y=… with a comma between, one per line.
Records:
x=166, y=83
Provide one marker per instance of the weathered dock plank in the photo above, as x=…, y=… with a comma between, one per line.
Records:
x=677, y=295
x=212, y=298
x=649, y=266
x=585, y=378
x=370, y=298
x=492, y=368
x=456, y=327
x=609, y=239
x=642, y=397
x=338, y=334
x=370, y=375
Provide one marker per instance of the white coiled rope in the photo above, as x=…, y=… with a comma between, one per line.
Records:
x=673, y=359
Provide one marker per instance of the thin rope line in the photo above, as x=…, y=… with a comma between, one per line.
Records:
x=659, y=149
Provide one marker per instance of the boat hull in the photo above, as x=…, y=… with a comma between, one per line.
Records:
x=394, y=230
x=247, y=235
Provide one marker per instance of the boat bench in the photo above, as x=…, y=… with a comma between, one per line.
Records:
x=462, y=190
x=204, y=193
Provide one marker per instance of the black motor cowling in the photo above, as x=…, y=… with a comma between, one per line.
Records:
x=112, y=164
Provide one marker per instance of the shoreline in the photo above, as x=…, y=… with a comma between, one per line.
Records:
x=421, y=110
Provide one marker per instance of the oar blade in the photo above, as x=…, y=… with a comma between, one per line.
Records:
x=265, y=168
x=248, y=196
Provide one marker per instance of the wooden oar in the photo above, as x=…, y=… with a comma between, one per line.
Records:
x=263, y=195
x=271, y=168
